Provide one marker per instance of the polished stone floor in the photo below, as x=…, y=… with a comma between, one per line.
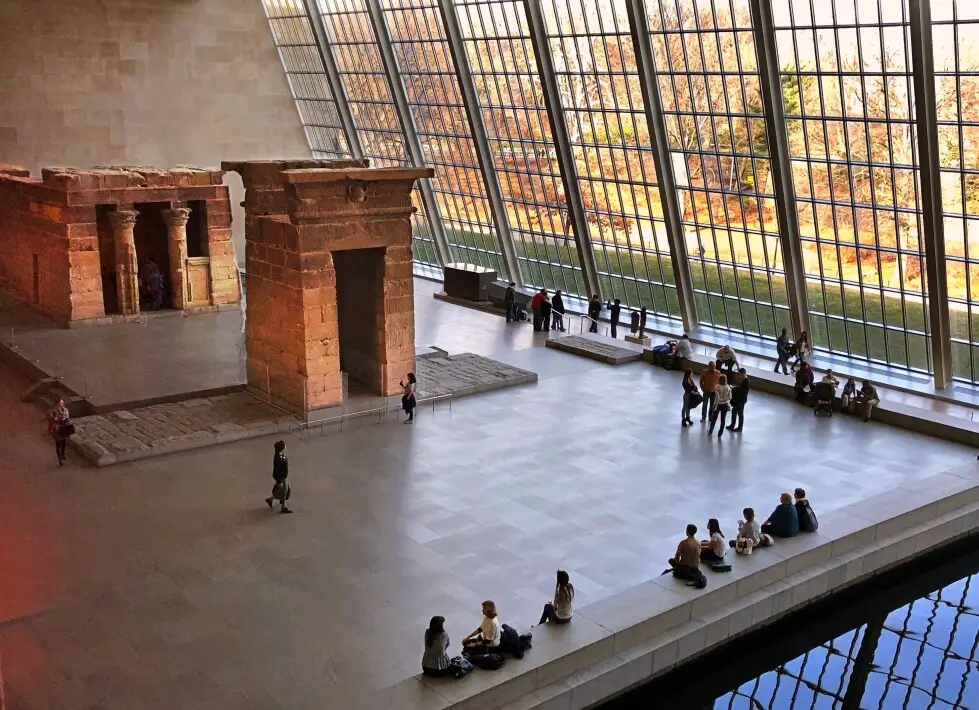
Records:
x=167, y=583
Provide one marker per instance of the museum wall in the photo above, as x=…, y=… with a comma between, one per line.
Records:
x=151, y=82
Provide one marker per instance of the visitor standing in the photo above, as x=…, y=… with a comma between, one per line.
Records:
x=281, y=491
x=557, y=311
x=60, y=428
x=545, y=312
x=708, y=382
x=614, y=309
x=536, y=304
x=689, y=390
x=722, y=404
x=739, y=398
x=560, y=610
x=594, y=311
x=510, y=300
x=408, y=400
x=784, y=349
x=803, y=350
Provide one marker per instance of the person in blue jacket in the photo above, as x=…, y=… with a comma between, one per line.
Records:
x=784, y=520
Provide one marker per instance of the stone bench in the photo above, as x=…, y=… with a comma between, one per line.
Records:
x=888, y=411
x=632, y=637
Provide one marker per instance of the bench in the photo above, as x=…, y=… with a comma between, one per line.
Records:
x=888, y=411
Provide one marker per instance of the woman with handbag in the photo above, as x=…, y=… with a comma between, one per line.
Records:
x=691, y=398
x=61, y=429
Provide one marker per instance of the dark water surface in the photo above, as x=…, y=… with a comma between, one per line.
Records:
x=906, y=639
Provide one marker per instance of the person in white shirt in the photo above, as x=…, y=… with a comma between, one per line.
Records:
x=684, y=351
x=830, y=378
x=487, y=636
x=749, y=528
x=722, y=403
x=713, y=550
x=727, y=359
x=560, y=610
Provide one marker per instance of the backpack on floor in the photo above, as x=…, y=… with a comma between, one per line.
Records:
x=488, y=661
x=460, y=667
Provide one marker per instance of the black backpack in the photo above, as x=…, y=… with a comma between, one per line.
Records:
x=488, y=661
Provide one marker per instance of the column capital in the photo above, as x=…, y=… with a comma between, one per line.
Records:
x=177, y=217
x=123, y=219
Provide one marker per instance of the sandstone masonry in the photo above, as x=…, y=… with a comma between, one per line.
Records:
x=74, y=241
x=328, y=257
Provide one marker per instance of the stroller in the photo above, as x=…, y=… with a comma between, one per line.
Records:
x=823, y=395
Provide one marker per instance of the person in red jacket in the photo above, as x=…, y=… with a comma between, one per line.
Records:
x=537, y=306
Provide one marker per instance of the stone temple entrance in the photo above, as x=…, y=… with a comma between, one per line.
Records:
x=360, y=278
x=328, y=250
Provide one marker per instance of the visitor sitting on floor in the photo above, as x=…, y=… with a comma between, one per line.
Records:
x=486, y=637
x=803, y=383
x=849, y=396
x=727, y=358
x=807, y=518
x=749, y=529
x=435, y=660
x=560, y=611
x=687, y=558
x=714, y=549
x=867, y=399
x=784, y=520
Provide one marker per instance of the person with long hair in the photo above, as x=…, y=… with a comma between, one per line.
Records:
x=487, y=635
x=61, y=429
x=802, y=350
x=714, y=549
x=281, y=491
x=408, y=400
x=689, y=388
x=722, y=404
x=560, y=610
x=435, y=659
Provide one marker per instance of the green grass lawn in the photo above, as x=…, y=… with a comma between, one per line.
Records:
x=741, y=300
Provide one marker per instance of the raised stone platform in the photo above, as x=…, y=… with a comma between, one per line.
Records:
x=158, y=429
x=632, y=637
x=598, y=347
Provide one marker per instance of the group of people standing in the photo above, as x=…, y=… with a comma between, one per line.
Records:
x=548, y=312
x=718, y=395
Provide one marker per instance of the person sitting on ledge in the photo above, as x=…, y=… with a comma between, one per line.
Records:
x=784, y=520
x=727, y=359
x=560, y=610
x=684, y=351
x=867, y=399
x=803, y=383
x=714, y=549
x=830, y=378
x=435, y=660
x=849, y=396
x=687, y=561
x=807, y=518
x=486, y=637
x=749, y=528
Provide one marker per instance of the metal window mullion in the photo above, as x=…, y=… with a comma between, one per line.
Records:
x=662, y=161
x=333, y=79
x=933, y=227
x=562, y=144
x=780, y=164
x=408, y=130
x=470, y=100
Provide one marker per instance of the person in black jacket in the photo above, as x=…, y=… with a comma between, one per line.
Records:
x=545, y=313
x=280, y=474
x=557, y=311
x=510, y=299
x=594, y=311
x=738, y=399
x=614, y=309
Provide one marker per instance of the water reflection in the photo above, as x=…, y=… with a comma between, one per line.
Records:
x=921, y=655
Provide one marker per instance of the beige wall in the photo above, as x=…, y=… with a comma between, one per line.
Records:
x=152, y=82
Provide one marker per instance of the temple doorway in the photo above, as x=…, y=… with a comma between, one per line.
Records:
x=360, y=288
x=107, y=259
x=150, y=236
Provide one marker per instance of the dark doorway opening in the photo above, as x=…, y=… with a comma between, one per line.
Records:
x=197, y=228
x=107, y=258
x=150, y=235
x=360, y=288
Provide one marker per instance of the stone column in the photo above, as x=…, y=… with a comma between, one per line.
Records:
x=127, y=268
x=176, y=220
